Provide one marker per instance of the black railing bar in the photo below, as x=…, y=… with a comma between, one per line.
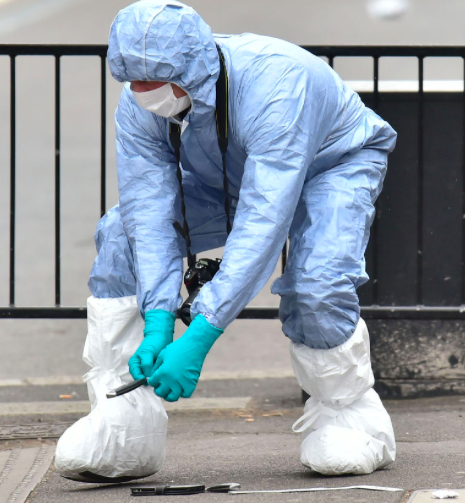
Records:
x=259, y=313
x=392, y=50
x=413, y=313
x=420, y=208
x=374, y=312
x=331, y=61
x=103, y=134
x=319, y=50
x=44, y=312
x=53, y=49
x=57, y=183
x=374, y=230
x=284, y=257
x=12, y=176
x=416, y=309
x=264, y=313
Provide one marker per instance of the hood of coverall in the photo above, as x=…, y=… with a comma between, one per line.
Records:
x=168, y=42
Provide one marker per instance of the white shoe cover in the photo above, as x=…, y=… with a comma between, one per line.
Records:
x=123, y=436
x=346, y=427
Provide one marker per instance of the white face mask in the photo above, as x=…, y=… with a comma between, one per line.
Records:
x=162, y=101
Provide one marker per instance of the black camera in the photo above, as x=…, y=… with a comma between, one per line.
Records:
x=196, y=276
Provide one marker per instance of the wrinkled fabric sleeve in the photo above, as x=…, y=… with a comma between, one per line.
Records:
x=148, y=191
x=281, y=132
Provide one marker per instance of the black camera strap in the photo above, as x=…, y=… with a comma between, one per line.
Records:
x=222, y=93
x=222, y=97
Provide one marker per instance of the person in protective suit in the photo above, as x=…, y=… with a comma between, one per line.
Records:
x=306, y=161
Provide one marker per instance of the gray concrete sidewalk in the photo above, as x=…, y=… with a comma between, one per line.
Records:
x=221, y=445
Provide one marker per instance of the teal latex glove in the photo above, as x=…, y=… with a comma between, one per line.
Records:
x=178, y=366
x=158, y=333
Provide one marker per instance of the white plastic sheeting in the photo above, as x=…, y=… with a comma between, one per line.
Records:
x=346, y=427
x=124, y=436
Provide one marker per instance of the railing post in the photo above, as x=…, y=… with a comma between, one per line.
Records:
x=284, y=258
x=420, y=173
x=12, y=175
x=376, y=82
x=375, y=227
x=103, y=134
x=463, y=186
x=57, y=183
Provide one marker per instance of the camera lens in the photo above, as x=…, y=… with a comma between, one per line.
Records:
x=196, y=276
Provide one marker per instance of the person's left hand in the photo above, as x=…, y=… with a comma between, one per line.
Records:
x=178, y=366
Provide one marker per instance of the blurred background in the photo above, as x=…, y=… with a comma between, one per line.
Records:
x=310, y=22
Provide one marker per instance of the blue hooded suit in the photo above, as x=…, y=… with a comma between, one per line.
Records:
x=306, y=160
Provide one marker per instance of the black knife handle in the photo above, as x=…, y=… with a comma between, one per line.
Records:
x=126, y=388
x=167, y=490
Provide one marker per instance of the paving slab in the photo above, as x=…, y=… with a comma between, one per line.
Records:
x=22, y=470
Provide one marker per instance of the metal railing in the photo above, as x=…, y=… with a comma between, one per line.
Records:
x=373, y=311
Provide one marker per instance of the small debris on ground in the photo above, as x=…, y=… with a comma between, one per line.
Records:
x=65, y=397
x=445, y=494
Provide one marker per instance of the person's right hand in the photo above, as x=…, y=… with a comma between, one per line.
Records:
x=158, y=333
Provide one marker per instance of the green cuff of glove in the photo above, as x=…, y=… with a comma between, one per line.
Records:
x=160, y=323
x=204, y=334
x=158, y=333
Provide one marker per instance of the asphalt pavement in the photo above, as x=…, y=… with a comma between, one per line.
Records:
x=252, y=445
x=248, y=373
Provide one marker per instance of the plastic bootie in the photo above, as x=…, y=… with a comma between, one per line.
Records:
x=122, y=438
x=345, y=426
